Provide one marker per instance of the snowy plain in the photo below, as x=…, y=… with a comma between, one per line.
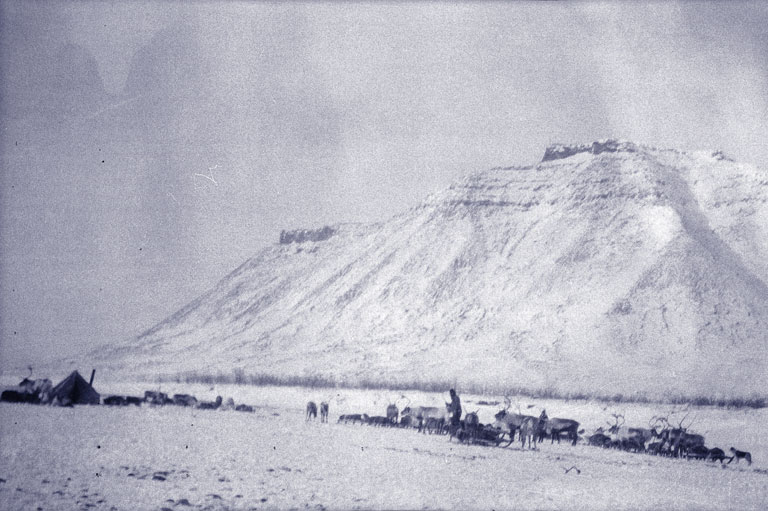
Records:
x=154, y=458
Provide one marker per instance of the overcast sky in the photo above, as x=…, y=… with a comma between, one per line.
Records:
x=148, y=149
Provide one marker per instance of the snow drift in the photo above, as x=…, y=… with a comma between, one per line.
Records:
x=610, y=268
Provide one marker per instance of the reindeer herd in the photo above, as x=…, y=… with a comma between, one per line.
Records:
x=660, y=438
x=427, y=419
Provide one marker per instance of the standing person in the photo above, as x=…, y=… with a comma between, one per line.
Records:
x=455, y=408
x=542, y=425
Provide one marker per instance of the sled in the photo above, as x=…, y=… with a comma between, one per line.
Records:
x=480, y=434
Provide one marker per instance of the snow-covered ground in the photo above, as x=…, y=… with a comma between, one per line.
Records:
x=136, y=458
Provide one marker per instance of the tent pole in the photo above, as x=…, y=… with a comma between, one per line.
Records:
x=93, y=373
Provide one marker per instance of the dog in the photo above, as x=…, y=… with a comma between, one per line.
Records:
x=739, y=455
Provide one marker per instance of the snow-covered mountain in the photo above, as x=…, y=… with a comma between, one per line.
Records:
x=610, y=268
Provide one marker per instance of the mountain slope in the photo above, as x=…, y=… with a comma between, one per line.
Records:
x=611, y=267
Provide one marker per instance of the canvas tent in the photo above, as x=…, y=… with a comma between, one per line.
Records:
x=75, y=390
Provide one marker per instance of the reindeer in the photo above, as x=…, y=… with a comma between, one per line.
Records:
x=406, y=421
x=353, y=418
x=528, y=430
x=716, y=454
x=378, y=420
x=422, y=414
x=649, y=433
x=435, y=426
x=510, y=422
x=643, y=435
x=677, y=440
x=599, y=440
x=634, y=441
x=615, y=428
x=184, y=400
x=632, y=444
x=655, y=448
x=392, y=413
x=467, y=429
x=210, y=405
x=114, y=401
x=311, y=411
x=156, y=398
x=555, y=427
x=324, y=411
x=697, y=452
x=472, y=420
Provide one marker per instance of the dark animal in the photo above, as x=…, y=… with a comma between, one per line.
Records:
x=132, y=400
x=353, y=418
x=643, y=435
x=697, y=452
x=406, y=421
x=311, y=410
x=679, y=441
x=244, y=408
x=115, y=401
x=378, y=420
x=716, y=454
x=471, y=420
x=14, y=396
x=208, y=405
x=323, y=412
x=392, y=413
x=184, y=400
x=688, y=442
x=632, y=444
x=466, y=429
x=655, y=448
x=599, y=440
x=554, y=427
x=739, y=455
x=156, y=398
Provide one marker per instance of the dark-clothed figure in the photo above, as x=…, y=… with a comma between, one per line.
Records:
x=455, y=408
x=542, y=426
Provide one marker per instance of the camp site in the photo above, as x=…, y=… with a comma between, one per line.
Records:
x=117, y=445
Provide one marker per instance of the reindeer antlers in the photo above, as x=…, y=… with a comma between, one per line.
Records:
x=664, y=422
x=689, y=424
x=656, y=421
x=614, y=428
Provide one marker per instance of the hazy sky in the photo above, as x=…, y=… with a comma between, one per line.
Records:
x=148, y=149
